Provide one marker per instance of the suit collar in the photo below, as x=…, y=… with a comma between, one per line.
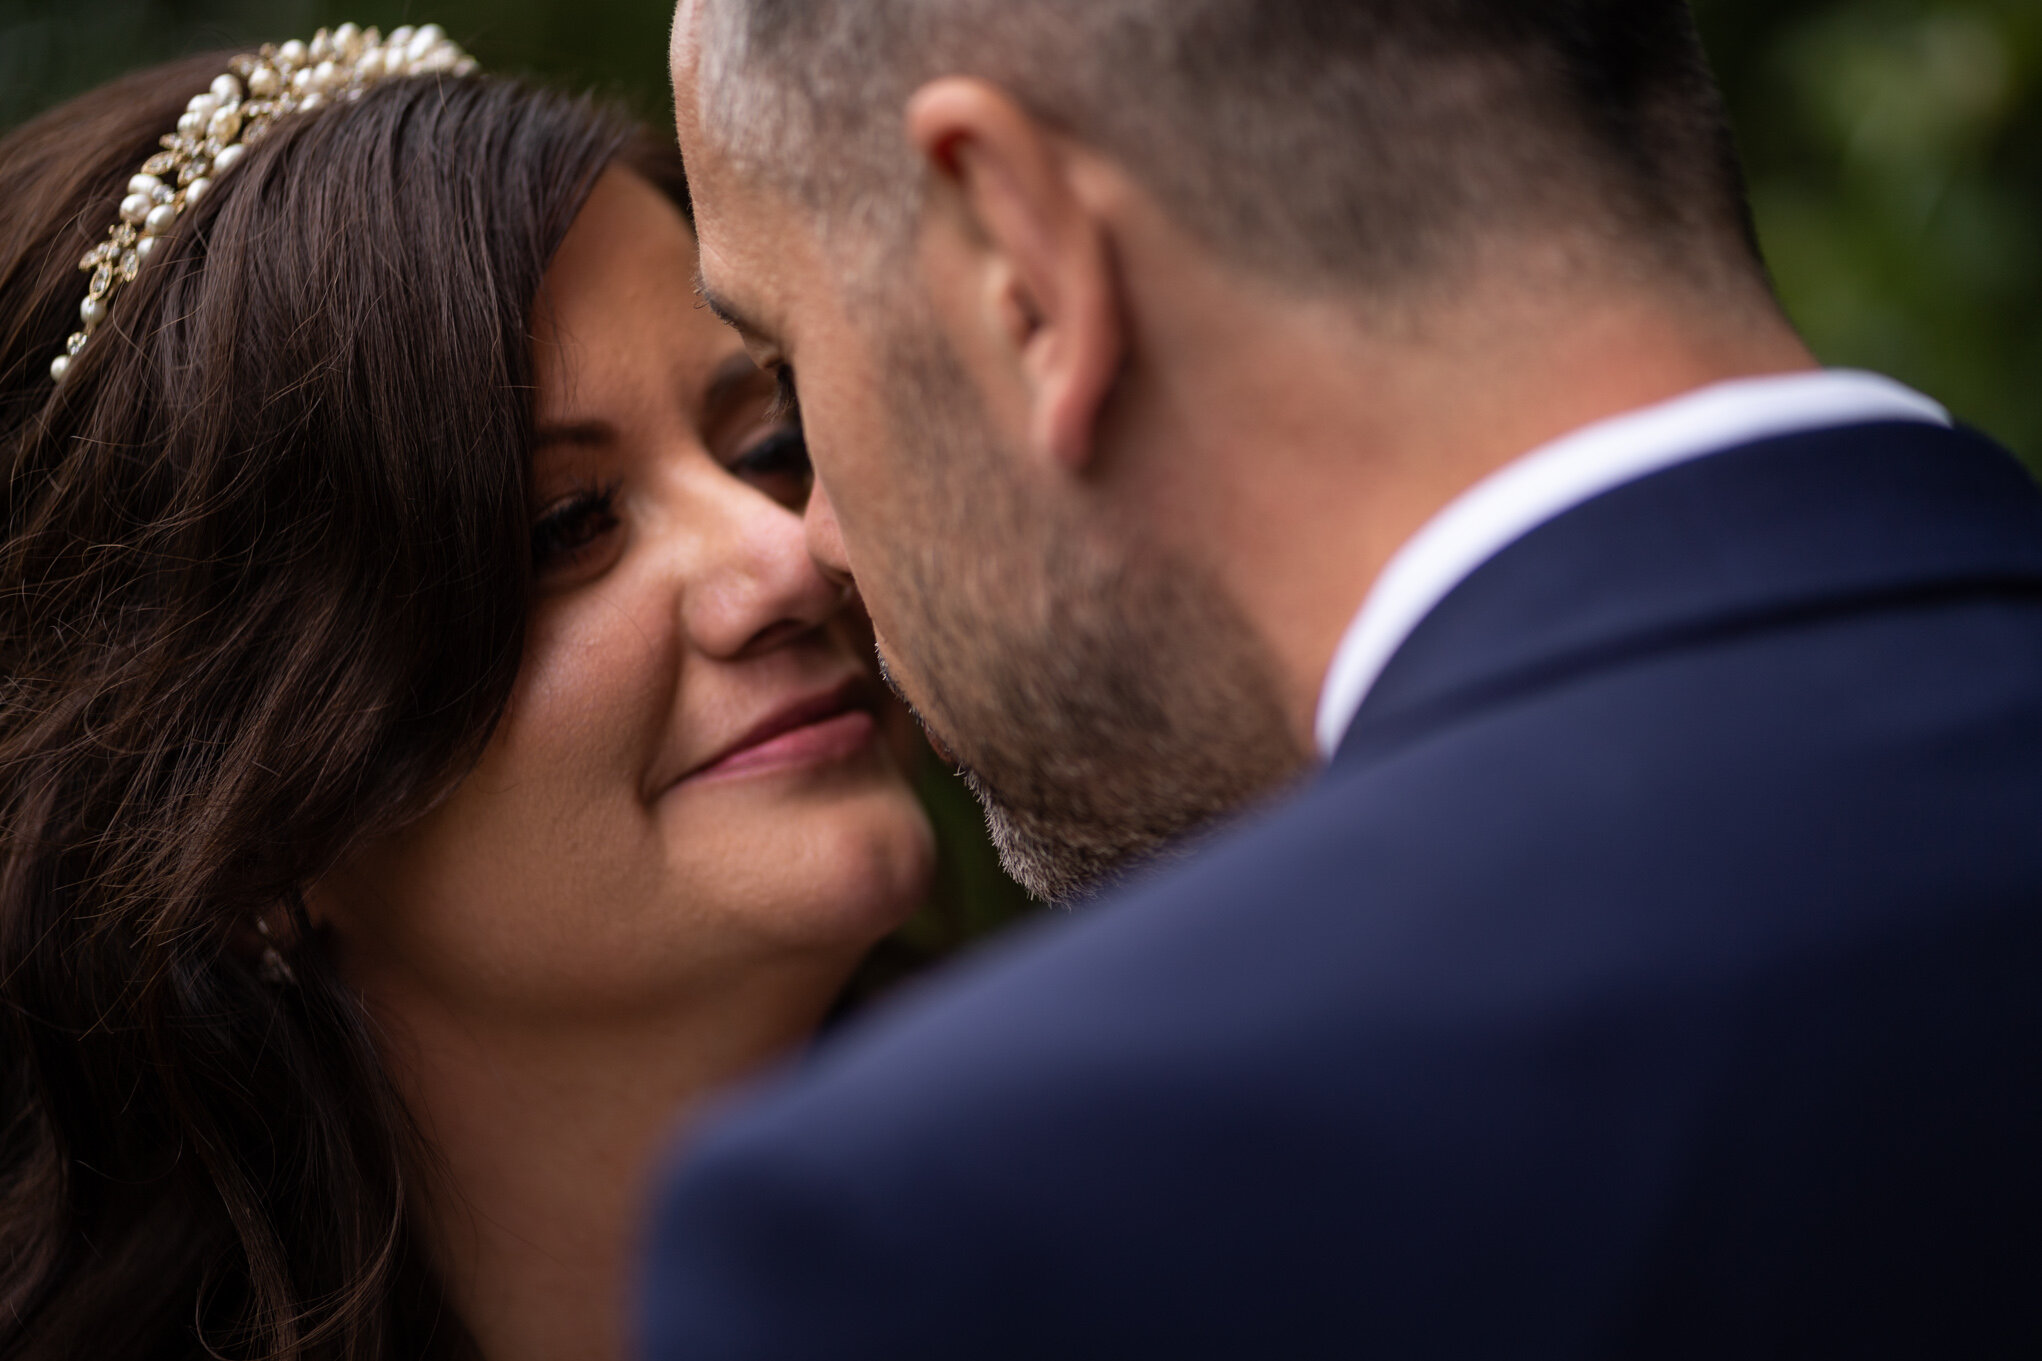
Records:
x=1801, y=523
x=1576, y=468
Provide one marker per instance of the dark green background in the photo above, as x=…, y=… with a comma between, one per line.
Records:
x=1895, y=149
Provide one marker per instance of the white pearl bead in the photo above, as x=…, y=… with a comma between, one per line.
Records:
x=293, y=53
x=265, y=82
x=225, y=126
x=424, y=41
x=60, y=367
x=227, y=89
x=144, y=184
x=347, y=40
x=301, y=80
x=135, y=207
x=197, y=190
x=191, y=123
x=146, y=247
x=312, y=101
x=325, y=76
x=161, y=219
x=322, y=45
x=228, y=158
x=203, y=105
x=92, y=311
x=400, y=38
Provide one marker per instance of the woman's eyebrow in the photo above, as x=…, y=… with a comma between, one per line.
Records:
x=550, y=433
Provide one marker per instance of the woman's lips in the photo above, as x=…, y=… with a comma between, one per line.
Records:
x=834, y=738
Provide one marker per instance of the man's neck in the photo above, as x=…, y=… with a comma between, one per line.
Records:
x=1307, y=452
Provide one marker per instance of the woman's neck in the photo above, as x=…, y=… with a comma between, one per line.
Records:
x=546, y=1135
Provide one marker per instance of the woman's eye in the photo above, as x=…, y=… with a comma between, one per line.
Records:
x=563, y=532
x=778, y=466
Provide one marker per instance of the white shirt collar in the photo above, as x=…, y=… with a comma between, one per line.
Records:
x=1576, y=468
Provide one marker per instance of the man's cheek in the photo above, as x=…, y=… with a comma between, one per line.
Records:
x=859, y=480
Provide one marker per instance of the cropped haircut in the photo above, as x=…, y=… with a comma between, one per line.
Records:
x=265, y=562
x=1364, y=144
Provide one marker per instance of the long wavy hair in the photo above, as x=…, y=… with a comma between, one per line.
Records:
x=263, y=586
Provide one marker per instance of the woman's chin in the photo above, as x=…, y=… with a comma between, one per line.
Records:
x=815, y=872
x=876, y=873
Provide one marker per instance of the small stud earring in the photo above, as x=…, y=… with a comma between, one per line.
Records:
x=275, y=970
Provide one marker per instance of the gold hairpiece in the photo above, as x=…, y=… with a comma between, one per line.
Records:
x=218, y=127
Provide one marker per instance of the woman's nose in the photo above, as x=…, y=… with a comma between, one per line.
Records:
x=760, y=588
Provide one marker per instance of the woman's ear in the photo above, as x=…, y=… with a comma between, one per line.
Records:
x=1049, y=290
x=313, y=909
x=267, y=940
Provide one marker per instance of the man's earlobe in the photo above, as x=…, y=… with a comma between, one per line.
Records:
x=1075, y=359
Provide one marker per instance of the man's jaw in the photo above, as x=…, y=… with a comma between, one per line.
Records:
x=943, y=750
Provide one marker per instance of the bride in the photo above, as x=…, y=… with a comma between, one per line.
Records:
x=428, y=758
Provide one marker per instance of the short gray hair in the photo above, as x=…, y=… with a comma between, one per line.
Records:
x=1356, y=142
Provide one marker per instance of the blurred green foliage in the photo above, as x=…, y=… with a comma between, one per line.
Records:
x=1895, y=153
x=1894, y=146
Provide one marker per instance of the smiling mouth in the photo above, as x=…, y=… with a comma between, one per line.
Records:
x=814, y=733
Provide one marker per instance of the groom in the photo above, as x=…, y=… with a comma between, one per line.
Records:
x=1202, y=392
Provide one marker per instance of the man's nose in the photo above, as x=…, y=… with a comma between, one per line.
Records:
x=826, y=537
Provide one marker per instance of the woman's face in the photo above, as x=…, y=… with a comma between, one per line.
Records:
x=690, y=779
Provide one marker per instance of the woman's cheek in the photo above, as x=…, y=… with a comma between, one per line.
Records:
x=598, y=683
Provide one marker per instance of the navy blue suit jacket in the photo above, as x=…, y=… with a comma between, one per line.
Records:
x=1656, y=973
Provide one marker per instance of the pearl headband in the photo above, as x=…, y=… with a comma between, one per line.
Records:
x=219, y=126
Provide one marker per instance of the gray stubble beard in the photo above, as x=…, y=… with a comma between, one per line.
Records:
x=1106, y=700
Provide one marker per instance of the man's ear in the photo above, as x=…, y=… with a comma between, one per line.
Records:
x=1052, y=291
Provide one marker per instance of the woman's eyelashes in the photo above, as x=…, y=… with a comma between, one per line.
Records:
x=574, y=524
x=784, y=451
x=777, y=465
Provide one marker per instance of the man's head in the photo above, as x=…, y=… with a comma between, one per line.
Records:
x=1063, y=283
x=1325, y=143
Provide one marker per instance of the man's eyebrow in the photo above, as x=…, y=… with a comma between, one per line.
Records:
x=724, y=308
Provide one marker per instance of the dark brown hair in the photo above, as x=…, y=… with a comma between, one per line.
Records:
x=262, y=594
